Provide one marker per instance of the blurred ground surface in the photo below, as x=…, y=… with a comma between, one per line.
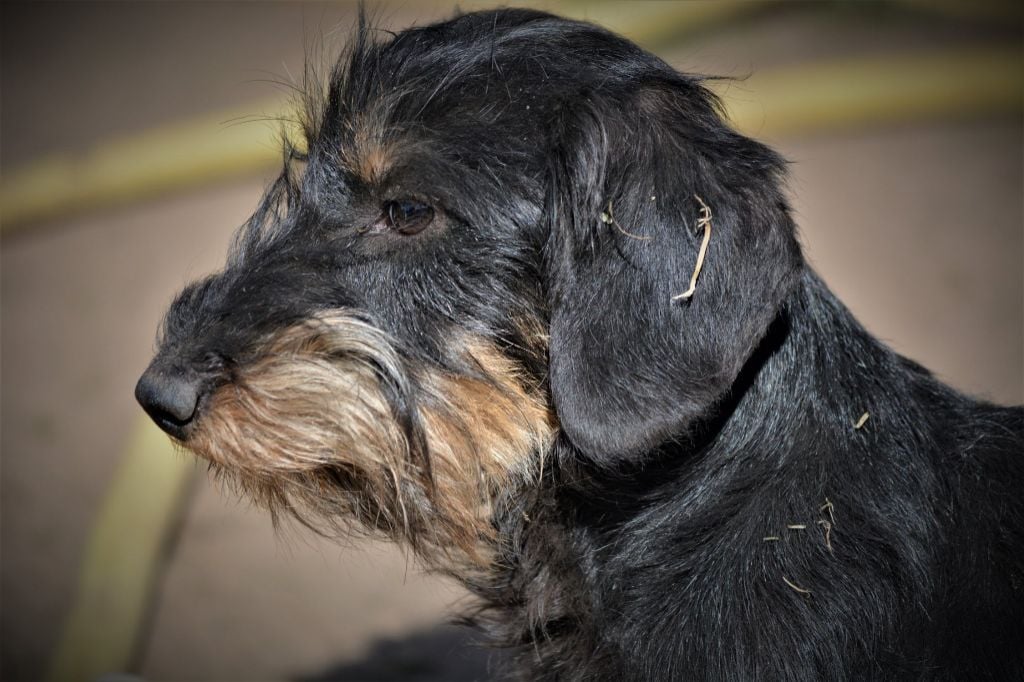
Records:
x=919, y=230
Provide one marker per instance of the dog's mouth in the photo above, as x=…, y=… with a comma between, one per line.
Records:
x=329, y=425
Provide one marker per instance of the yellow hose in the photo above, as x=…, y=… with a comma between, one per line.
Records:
x=862, y=92
x=814, y=98
x=122, y=558
x=190, y=154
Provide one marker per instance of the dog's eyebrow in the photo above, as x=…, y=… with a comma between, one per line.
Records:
x=370, y=152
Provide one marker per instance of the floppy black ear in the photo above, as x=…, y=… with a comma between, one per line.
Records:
x=630, y=367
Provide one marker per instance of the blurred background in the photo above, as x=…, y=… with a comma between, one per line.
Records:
x=133, y=141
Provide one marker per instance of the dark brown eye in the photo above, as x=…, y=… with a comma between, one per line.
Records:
x=407, y=216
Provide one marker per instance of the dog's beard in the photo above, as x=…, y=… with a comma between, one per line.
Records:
x=328, y=426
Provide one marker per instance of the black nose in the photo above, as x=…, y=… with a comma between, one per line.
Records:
x=170, y=398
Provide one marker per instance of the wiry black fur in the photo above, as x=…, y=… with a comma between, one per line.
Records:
x=659, y=568
x=690, y=431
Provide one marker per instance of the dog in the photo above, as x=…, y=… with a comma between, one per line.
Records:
x=525, y=303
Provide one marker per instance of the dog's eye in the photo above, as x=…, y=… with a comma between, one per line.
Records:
x=407, y=216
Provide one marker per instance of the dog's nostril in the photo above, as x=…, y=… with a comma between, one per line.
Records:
x=170, y=399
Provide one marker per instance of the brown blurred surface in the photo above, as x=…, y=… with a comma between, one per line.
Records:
x=917, y=228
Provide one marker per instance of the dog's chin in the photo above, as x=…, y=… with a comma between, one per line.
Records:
x=313, y=430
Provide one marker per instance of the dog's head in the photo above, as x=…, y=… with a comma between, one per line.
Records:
x=479, y=250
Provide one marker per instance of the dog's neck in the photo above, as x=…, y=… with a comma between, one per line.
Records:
x=798, y=382
x=777, y=457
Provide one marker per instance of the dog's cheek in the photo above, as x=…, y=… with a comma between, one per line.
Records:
x=486, y=435
x=495, y=421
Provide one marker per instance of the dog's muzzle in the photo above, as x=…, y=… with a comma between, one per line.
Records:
x=328, y=421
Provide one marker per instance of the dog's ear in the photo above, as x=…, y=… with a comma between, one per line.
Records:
x=632, y=364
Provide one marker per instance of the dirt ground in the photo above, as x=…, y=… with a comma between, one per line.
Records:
x=919, y=228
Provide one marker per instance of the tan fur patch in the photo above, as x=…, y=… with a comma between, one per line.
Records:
x=370, y=153
x=306, y=429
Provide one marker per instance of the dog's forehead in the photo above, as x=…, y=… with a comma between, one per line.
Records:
x=463, y=126
x=371, y=146
x=481, y=85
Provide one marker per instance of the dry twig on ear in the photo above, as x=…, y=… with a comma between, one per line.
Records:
x=705, y=222
x=608, y=218
x=828, y=532
x=829, y=507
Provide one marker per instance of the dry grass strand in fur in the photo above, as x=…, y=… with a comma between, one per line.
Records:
x=608, y=218
x=799, y=589
x=705, y=222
